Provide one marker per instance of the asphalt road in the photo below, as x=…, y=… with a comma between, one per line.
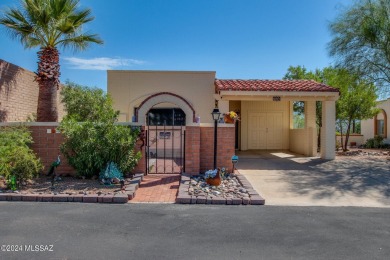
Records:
x=169, y=231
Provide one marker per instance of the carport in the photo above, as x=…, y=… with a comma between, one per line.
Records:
x=289, y=179
x=266, y=111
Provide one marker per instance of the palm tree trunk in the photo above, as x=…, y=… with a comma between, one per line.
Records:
x=48, y=80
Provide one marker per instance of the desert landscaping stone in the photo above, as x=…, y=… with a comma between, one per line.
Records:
x=233, y=190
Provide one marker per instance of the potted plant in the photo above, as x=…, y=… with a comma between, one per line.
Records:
x=231, y=117
x=213, y=177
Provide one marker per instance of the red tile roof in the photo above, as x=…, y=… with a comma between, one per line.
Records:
x=271, y=85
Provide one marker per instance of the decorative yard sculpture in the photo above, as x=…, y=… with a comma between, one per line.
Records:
x=111, y=175
x=52, y=170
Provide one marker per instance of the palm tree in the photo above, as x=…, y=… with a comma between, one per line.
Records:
x=49, y=24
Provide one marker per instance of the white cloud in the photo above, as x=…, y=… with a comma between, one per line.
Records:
x=101, y=63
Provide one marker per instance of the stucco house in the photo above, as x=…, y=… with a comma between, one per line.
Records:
x=148, y=98
x=379, y=124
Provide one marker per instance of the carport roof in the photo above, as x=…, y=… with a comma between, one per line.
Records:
x=271, y=85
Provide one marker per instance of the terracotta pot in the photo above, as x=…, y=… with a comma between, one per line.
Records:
x=216, y=181
x=228, y=119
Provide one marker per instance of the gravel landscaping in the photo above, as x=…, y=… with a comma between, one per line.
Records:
x=71, y=189
x=364, y=152
x=233, y=190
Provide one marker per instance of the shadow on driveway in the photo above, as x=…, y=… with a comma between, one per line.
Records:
x=283, y=178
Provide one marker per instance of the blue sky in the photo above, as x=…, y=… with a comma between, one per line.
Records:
x=252, y=39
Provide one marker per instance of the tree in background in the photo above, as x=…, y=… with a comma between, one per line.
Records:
x=357, y=99
x=361, y=40
x=49, y=24
x=92, y=139
x=357, y=96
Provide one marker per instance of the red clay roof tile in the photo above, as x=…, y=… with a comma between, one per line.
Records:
x=271, y=85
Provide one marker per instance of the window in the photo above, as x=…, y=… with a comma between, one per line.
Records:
x=298, y=114
x=380, y=127
x=166, y=116
x=380, y=122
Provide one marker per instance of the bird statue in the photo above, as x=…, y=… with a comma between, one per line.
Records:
x=52, y=170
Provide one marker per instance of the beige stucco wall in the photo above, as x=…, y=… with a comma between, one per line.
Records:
x=264, y=107
x=129, y=88
x=367, y=126
x=19, y=94
x=358, y=139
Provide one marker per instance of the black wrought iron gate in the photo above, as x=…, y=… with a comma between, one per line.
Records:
x=165, y=149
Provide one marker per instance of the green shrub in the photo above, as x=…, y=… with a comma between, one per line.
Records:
x=92, y=139
x=90, y=146
x=16, y=157
x=376, y=142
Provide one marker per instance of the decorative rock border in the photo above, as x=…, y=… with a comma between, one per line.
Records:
x=183, y=196
x=123, y=197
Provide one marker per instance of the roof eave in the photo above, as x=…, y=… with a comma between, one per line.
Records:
x=318, y=95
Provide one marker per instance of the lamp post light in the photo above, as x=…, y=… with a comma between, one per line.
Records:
x=234, y=162
x=216, y=114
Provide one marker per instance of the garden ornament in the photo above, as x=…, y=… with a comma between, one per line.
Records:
x=52, y=171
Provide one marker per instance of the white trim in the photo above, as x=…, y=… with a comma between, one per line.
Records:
x=279, y=93
x=219, y=125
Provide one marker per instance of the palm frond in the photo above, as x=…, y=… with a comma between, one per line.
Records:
x=80, y=42
x=48, y=23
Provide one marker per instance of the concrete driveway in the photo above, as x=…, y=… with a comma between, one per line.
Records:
x=284, y=178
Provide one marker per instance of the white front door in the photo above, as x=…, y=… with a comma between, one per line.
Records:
x=265, y=130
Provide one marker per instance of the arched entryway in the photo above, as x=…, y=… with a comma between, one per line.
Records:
x=163, y=98
x=165, y=116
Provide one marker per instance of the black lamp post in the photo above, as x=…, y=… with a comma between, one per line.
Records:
x=216, y=114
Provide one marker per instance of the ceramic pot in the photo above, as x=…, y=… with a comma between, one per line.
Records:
x=216, y=181
x=228, y=119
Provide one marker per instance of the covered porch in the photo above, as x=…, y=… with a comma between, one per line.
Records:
x=266, y=112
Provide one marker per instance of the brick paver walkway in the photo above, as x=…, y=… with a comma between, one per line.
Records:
x=161, y=188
